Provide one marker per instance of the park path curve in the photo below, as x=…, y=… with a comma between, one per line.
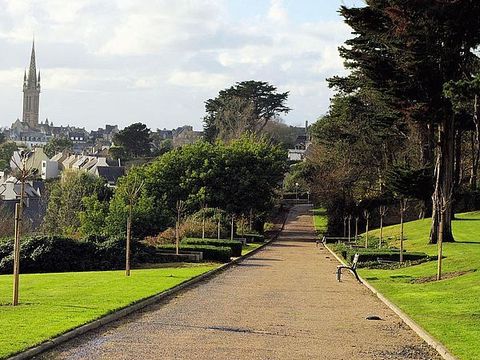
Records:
x=282, y=303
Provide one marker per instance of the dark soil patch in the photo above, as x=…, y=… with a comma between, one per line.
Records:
x=445, y=276
x=422, y=352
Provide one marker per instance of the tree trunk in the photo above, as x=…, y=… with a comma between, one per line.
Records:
x=457, y=173
x=426, y=137
x=444, y=176
x=127, y=247
x=475, y=145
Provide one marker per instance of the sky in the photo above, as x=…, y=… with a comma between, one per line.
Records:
x=157, y=61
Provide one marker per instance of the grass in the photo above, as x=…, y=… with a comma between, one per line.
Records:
x=250, y=247
x=320, y=220
x=51, y=304
x=448, y=309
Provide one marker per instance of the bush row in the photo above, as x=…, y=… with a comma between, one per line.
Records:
x=254, y=238
x=234, y=245
x=372, y=255
x=60, y=254
x=213, y=253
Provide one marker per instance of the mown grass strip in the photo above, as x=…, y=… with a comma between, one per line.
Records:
x=51, y=304
x=447, y=309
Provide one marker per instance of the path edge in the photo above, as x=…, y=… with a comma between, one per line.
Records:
x=140, y=304
x=421, y=332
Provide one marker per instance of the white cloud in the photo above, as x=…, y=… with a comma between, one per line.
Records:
x=277, y=12
x=200, y=80
x=11, y=77
x=161, y=48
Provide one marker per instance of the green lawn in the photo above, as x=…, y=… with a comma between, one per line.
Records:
x=448, y=309
x=250, y=247
x=320, y=220
x=52, y=304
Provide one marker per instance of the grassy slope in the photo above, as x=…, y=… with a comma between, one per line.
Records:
x=448, y=309
x=320, y=219
x=250, y=247
x=54, y=303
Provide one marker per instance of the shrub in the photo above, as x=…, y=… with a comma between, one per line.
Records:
x=192, y=228
x=214, y=253
x=60, y=254
x=236, y=246
x=368, y=255
x=254, y=238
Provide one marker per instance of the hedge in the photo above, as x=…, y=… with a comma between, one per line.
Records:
x=254, y=238
x=372, y=255
x=213, y=253
x=61, y=254
x=235, y=245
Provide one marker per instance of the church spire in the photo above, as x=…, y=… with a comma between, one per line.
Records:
x=32, y=73
x=31, y=92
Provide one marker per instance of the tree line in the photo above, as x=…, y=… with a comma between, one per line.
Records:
x=404, y=121
x=240, y=178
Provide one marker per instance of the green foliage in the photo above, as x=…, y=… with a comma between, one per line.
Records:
x=238, y=177
x=245, y=107
x=252, y=170
x=212, y=253
x=56, y=145
x=6, y=152
x=405, y=182
x=160, y=146
x=92, y=218
x=117, y=152
x=235, y=246
x=65, y=203
x=149, y=214
x=134, y=140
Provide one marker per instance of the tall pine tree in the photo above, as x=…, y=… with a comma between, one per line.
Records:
x=408, y=50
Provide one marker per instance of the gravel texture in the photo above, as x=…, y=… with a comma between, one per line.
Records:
x=282, y=303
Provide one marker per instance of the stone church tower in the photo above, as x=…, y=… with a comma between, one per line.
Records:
x=31, y=93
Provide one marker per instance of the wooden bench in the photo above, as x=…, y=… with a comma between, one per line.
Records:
x=352, y=268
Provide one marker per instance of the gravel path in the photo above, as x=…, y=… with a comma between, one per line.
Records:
x=282, y=303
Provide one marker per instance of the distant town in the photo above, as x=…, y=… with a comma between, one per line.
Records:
x=54, y=148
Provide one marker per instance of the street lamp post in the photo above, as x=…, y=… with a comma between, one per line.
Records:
x=296, y=192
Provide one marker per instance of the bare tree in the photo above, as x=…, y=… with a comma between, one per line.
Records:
x=218, y=223
x=445, y=200
x=366, y=214
x=204, y=209
x=383, y=212
x=23, y=172
x=180, y=207
x=349, y=227
x=132, y=193
x=232, y=225
x=356, y=227
x=403, y=209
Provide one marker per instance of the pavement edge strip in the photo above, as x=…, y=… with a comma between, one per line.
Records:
x=422, y=333
x=95, y=324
